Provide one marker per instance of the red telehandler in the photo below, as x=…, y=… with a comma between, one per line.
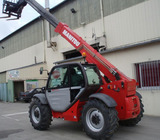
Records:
x=94, y=92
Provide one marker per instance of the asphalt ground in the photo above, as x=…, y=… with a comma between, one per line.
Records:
x=15, y=125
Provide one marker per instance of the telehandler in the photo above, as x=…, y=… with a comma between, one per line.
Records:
x=94, y=92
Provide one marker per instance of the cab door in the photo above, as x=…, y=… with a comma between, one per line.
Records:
x=77, y=81
x=58, y=90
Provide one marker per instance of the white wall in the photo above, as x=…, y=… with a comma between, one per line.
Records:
x=23, y=58
x=151, y=101
x=29, y=73
x=135, y=24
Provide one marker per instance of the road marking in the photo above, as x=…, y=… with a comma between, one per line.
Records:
x=14, y=114
x=19, y=113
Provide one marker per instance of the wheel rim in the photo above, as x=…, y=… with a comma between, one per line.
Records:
x=95, y=119
x=36, y=114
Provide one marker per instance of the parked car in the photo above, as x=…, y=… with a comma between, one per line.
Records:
x=27, y=96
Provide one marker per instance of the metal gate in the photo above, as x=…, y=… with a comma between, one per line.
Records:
x=10, y=91
x=3, y=92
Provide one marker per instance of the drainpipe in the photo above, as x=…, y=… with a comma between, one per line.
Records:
x=46, y=31
x=43, y=38
x=102, y=21
x=47, y=27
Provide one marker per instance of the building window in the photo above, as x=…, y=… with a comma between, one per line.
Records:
x=75, y=53
x=71, y=54
x=148, y=74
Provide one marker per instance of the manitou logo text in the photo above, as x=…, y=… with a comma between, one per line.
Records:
x=71, y=38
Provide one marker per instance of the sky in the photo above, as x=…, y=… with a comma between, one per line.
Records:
x=28, y=14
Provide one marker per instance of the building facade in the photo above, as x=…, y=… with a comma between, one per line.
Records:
x=125, y=32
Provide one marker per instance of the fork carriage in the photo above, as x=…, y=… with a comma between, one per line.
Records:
x=13, y=8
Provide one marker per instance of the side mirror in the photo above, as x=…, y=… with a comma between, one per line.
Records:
x=41, y=70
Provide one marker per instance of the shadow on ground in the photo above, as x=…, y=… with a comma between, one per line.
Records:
x=6, y=133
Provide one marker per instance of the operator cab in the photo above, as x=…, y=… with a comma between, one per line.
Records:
x=13, y=8
x=70, y=82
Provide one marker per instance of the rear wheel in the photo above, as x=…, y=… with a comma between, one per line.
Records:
x=40, y=115
x=98, y=120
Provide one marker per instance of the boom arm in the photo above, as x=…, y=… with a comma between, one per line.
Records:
x=43, y=12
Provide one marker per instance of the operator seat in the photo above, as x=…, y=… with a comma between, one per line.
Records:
x=76, y=79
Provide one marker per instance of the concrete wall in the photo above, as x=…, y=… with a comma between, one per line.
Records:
x=135, y=24
x=151, y=101
x=3, y=77
x=26, y=57
x=28, y=73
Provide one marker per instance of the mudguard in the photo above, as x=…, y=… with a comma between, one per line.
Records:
x=139, y=95
x=109, y=101
x=41, y=97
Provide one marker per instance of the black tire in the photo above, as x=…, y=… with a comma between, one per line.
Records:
x=99, y=121
x=135, y=121
x=40, y=115
x=26, y=101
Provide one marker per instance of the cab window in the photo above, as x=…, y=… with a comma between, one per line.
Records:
x=93, y=75
x=76, y=76
x=59, y=78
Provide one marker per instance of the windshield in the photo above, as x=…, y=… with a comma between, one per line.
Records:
x=93, y=75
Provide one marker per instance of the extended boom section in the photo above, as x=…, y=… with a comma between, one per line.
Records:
x=43, y=12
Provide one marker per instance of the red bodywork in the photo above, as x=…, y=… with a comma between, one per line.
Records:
x=122, y=91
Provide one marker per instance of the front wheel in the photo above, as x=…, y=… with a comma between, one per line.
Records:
x=40, y=115
x=98, y=120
